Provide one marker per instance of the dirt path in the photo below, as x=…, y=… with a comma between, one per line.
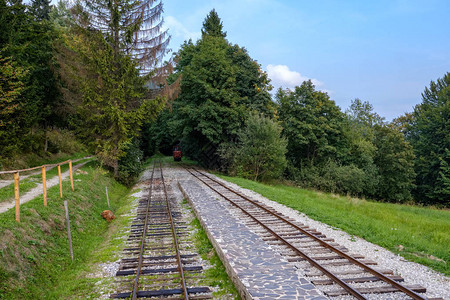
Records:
x=6, y=182
x=38, y=190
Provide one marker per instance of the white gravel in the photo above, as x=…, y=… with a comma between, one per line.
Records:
x=437, y=284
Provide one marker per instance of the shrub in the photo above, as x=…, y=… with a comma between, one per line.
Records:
x=62, y=141
x=260, y=151
x=131, y=164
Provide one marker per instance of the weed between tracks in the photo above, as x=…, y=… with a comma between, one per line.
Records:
x=419, y=234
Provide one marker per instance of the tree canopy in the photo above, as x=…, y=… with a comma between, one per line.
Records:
x=220, y=84
x=429, y=134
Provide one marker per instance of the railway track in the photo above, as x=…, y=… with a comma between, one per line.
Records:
x=158, y=259
x=329, y=266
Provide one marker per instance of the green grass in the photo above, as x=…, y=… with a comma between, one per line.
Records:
x=34, y=257
x=216, y=275
x=419, y=234
x=7, y=192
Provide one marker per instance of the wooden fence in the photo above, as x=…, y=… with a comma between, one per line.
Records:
x=44, y=182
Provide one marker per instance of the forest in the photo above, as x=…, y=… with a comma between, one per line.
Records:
x=99, y=76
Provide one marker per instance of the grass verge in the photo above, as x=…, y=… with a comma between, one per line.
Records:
x=418, y=234
x=34, y=256
x=216, y=276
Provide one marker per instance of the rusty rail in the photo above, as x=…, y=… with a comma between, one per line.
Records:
x=144, y=234
x=352, y=291
x=175, y=240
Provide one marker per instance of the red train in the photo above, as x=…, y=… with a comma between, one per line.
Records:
x=177, y=154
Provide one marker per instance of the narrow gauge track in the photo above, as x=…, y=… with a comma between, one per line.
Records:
x=155, y=265
x=338, y=273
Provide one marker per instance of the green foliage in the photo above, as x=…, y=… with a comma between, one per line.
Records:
x=28, y=41
x=41, y=9
x=259, y=152
x=212, y=25
x=115, y=101
x=63, y=141
x=220, y=85
x=394, y=159
x=11, y=106
x=429, y=134
x=312, y=124
x=131, y=164
x=356, y=153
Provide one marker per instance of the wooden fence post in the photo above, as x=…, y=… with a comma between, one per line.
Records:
x=60, y=181
x=107, y=196
x=66, y=208
x=44, y=185
x=71, y=175
x=16, y=195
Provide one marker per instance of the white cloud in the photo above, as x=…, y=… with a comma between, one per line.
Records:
x=281, y=76
x=177, y=29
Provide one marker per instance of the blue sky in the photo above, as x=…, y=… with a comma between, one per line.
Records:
x=384, y=52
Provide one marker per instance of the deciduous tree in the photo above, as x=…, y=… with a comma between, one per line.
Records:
x=429, y=133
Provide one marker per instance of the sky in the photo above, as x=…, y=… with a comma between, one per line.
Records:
x=384, y=52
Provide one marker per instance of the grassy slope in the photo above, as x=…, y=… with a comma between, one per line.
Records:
x=423, y=232
x=34, y=254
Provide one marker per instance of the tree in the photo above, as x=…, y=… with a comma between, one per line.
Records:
x=115, y=101
x=360, y=130
x=312, y=124
x=30, y=45
x=429, y=134
x=260, y=150
x=212, y=25
x=41, y=9
x=220, y=85
x=11, y=90
x=130, y=27
x=394, y=159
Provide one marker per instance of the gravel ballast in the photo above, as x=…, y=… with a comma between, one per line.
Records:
x=437, y=284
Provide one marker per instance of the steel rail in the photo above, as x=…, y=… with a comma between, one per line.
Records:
x=144, y=234
x=312, y=261
x=172, y=225
x=379, y=275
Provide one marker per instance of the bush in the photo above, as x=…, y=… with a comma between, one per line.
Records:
x=131, y=164
x=331, y=177
x=63, y=141
x=260, y=151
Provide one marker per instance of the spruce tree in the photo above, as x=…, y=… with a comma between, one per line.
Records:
x=41, y=9
x=118, y=46
x=130, y=27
